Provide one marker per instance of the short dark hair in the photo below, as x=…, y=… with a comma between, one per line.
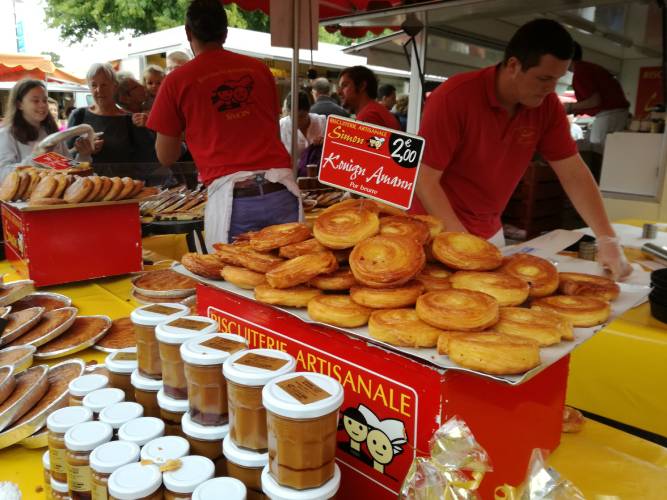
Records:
x=361, y=74
x=386, y=90
x=537, y=38
x=19, y=127
x=577, y=55
x=303, y=101
x=207, y=20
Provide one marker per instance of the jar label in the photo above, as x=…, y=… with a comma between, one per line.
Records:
x=163, y=310
x=303, y=390
x=79, y=477
x=261, y=361
x=99, y=491
x=223, y=344
x=57, y=457
x=189, y=324
x=125, y=356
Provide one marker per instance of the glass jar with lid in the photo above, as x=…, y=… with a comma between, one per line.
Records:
x=164, y=448
x=57, y=424
x=206, y=440
x=220, y=487
x=246, y=466
x=145, y=393
x=80, y=441
x=120, y=365
x=171, y=411
x=84, y=385
x=105, y=459
x=180, y=483
x=136, y=482
x=59, y=490
x=117, y=414
x=46, y=466
x=141, y=430
x=274, y=491
x=98, y=400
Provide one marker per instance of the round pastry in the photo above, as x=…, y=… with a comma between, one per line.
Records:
x=138, y=187
x=229, y=252
x=301, y=269
x=342, y=279
x=116, y=188
x=43, y=202
x=106, y=187
x=299, y=296
x=506, y=289
x=34, y=180
x=466, y=251
x=11, y=185
x=435, y=225
x=494, y=353
x=403, y=225
x=338, y=310
x=345, y=227
x=242, y=277
x=581, y=311
x=540, y=274
x=78, y=191
x=434, y=278
x=545, y=327
x=302, y=248
x=255, y=261
x=128, y=187
x=45, y=189
x=588, y=285
x=387, y=298
x=279, y=235
x=462, y=310
x=386, y=261
x=97, y=187
x=24, y=184
x=402, y=327
x=207, y=266
x=354, y=203
x=447, y=335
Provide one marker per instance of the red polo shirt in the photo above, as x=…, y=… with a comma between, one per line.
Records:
x=588, y=79
x=482, y=152
x=377, y=114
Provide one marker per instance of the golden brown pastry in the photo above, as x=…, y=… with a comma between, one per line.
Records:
x=402, y=327
x=138, y=187
x=255, y=261
x=494, y=353
x=338, y=310
x=387, y=298
x=299, y=296
x=302, y=248
x=10, y=186
x=339, y=280
x=279, y=235
x=242, y=277
x=354, y=203
x=506, y=289
x=581, y=311
x=345, y=227
x=106, y=187
x=78, y=191
x=386, y=261
x=115, y=190
x=447, y=335
x=434, y=277
x=458, y=310
x=24, y=184
x=97, y=187
x=301, y=269
x=44, y=202
x=435, y=225
x=466, y=252
x=34, y=180
x=545, y=327
x=403, y=225
x=207, y=266
x=540, y=274
x=45, y=189
x=588, y=285
x=229, y=252
x=128, y=187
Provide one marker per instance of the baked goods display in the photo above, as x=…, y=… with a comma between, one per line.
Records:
x=165, y=285
x=299, y=296
x=540, y=274
x=119, y=336
x=173, y=204
x=338, y=310
x=386, y=261
x=29, y=388
x=83, y=333
x=302, y=248
x=340, y=280
x=387, y=298
x=402, y=225
x=48, y=300
x=20, y=322
x=344, y=227
x=545, y=327
x=50, y=325
x=301, y=269
x=279, y=235
x=402, y=327
x=588, y=286
x=242, y=277
x=434, y=277
x=462, y=310
x=581, y=311
x=506, y=289
x=207, y=266
x=466, y=252
x=494, y=353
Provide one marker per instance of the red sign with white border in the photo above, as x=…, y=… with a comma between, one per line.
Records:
x=372, y=161
x=55, y=161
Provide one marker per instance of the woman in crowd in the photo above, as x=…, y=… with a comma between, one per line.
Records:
x=311, y=126
x=26, y=123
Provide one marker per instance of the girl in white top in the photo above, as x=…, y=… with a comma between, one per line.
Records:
x=26, y=123
x=311, y=126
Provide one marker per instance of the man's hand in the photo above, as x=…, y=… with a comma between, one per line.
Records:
x=139, y=119
x=611, y=257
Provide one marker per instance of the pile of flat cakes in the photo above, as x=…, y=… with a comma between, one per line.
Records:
x=163, y=286
x=414, y=285
x=175, y=204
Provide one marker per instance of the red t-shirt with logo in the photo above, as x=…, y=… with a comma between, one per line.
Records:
x=588, y=79
x=482, y=152
x=377, y=114
x=227, y=105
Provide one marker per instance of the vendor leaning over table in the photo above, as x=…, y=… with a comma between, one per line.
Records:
x=227, y=105
x=482, y=129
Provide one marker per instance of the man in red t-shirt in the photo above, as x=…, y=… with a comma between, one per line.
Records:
x=482, y=129
x=598, y=94
x=358, y=89
x=227, y=106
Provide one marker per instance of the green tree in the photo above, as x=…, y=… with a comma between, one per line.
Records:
x=55, y=58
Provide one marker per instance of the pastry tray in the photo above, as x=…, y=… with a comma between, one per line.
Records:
x=20, y=407
x=179, y=293
x=89, y=342
x=630, y=296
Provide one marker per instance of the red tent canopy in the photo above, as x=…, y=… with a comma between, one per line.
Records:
x=13, y=67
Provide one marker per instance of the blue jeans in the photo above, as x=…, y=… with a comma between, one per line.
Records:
x=256, y=212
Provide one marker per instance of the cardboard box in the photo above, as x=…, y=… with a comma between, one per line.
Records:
x=410, y=399
x=55, y=245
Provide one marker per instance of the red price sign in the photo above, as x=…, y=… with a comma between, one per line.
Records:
x=372, y=161
x=55, y=161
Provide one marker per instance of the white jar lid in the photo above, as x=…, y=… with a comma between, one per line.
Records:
x=60, y=421
x=141, y=430
x=242, y=456
x=87, y=436
x=177, y=331
x=312, y=395
x=171, y=404
x=194, y=471
x=123, y=361
x=85, y=384
x=46, y=460
x=154, y=314
x=257, y=367
x=164, y=448
x=220, y=487
x=59, y=487
x=108, y=457
x=205, y=432
x=274, y=491
x=144, y=383
x=117, y=414
x=133, y=481
x=101, y=398
x=212, y=349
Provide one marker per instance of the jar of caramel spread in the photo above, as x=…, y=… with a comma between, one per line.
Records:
x=246, y=466
x=170, y=336
x=120, y=365
x=219, y=488
x=145, y=319
x=84, y=385
x=145, y=393
x=302, y=418
x=46, y=467
x=164, y=448
x=98, y=400
x=141, y=430
x=203, y=357
x=117, y=414
x=247, y=373
x=171, y=412
x=274, y=491
x=136, y=482
x=206, y=440
x=57, y=424
x=105, y=459
x=180, y=483
x=80, y=441
x=59, y=491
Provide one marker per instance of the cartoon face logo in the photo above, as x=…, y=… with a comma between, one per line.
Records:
x=376, y=142
x=380, y=448
x=232, y=94
x=355, y=426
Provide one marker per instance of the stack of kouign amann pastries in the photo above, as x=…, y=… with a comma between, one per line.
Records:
x=414, y=285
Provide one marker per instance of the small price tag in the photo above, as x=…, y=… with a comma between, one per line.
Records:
x=55, y=161
x=189, y=324
x=261, y=361
x=303, y=390
x=223, y=344
x=163, y=310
